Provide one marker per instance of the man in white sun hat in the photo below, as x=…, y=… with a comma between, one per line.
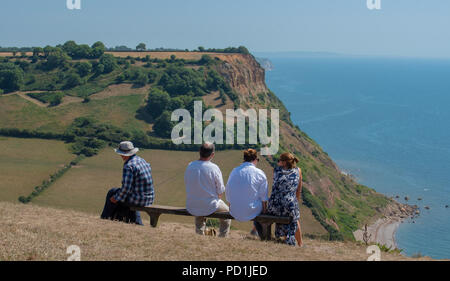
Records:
x=137, y=185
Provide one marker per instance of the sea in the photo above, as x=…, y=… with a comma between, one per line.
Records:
x=384, y=120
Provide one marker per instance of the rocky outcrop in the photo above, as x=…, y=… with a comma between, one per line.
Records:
x=243, y=73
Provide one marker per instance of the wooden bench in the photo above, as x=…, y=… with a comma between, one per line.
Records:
x=266, y=221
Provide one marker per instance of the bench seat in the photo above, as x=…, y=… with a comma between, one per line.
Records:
x=154, y=211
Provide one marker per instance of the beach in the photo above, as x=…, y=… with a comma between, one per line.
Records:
x=383, y=230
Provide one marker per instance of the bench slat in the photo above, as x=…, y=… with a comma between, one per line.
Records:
x=159, y=209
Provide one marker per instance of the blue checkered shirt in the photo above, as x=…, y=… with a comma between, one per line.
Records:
x=137, y=183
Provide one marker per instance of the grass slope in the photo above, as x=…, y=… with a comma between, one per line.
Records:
x=44, y=234
x=117, y=110
x=25, y=163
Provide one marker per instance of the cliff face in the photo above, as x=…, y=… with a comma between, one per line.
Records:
x=243, y=73
x=339, y=203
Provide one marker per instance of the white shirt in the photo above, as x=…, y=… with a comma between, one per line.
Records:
x=246, y=190
x=204, y=183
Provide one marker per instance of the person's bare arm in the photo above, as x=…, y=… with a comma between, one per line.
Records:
x=299, y=188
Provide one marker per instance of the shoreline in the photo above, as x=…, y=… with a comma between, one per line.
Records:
x=383, y=230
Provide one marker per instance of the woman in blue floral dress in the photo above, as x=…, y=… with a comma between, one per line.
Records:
x=285, y=197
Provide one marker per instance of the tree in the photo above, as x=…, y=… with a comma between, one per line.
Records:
x=243, y=50
x=141, y=47
x=56, y=99
x=141, y=79
x=70, y=47
x=158, y=101
x=176, y=103
x=73, y=80
x=109, y=62
x=99, y=69
x=98, y=49
x=206, y=60
x=82, y=52
x=163, y=125
x=98, y=44
x=55, y=58
x=37, y=51
x=83, y=68
x=152, y=75
x=47, y=50
x=11, y=77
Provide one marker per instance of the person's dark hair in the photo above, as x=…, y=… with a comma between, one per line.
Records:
x=250, y=155
x=206, y=149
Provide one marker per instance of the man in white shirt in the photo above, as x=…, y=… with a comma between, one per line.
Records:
x=247, y=190
x=204, y=189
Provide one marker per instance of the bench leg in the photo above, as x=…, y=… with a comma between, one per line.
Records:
x=267, y=231
x=154, y=219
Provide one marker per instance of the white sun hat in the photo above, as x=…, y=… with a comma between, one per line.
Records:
x=126, y=148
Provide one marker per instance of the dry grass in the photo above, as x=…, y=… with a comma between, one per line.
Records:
x=25, y=163
x=214, y=100
x=9, y=54
x=124, y=89
x=166, y=55
x=29, y=232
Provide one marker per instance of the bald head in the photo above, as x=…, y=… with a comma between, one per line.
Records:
x=206, y=150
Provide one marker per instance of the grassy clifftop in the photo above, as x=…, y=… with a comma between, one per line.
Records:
x=45, y=234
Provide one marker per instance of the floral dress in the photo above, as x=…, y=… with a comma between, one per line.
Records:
x=283, y=201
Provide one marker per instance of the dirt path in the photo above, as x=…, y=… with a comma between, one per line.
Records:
x=30, y=99
x=110, y=91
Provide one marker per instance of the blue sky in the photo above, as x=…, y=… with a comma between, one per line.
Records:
x=417, y=28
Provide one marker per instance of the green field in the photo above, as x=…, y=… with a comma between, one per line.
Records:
x=117, y=110
x=25, y=163
x=84, y=188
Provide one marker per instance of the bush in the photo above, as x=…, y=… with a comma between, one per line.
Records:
x=52, y=99
x=139, y=77
x=158, y=101
x=181, y=81
x=163, y=125
x=109, y=62
x=83, y=68
x=88, y=146
x=99, y=69
x=11, y=77
x=206, y=60
x=55, y=58
x=73, y=80
x=152, y=75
